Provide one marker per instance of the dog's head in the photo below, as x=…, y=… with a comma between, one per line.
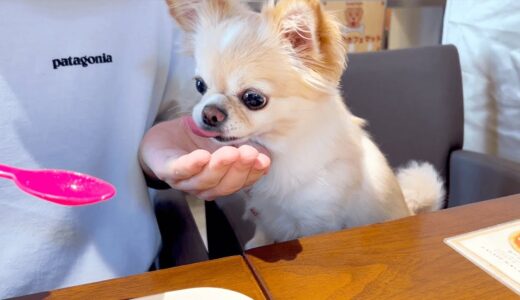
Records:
x=259, y=73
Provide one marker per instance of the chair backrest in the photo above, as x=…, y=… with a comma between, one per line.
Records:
x=412, y=100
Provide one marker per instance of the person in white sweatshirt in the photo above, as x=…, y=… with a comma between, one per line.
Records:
x=81, y=82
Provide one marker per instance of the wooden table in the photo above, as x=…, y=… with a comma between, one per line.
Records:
x=230, y=273
x=403, y=259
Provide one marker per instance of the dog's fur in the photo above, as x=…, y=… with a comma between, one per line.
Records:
x=326, y=172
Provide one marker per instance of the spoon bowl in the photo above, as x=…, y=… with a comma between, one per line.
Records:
x=60, y=186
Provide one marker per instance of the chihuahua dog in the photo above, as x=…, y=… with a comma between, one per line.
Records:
x=272, y=78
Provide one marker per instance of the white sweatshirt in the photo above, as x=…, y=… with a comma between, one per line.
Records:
x=80, y=83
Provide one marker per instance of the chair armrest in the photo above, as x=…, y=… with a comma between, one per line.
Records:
x=476, y=177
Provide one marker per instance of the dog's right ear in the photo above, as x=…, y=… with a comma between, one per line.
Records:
x=312, y=33
x=189, y=13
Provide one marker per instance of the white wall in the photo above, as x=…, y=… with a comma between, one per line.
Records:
x=415, y=27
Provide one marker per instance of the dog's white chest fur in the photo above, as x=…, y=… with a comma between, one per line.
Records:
x=287, y=209
x=330, y=177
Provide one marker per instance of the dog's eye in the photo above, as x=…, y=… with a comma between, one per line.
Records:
x=254, y=100
x=200, y=85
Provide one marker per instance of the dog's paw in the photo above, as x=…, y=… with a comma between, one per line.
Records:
x=251, y=244
x=258, y=240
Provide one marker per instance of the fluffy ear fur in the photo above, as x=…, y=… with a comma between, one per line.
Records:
x=189, y=13
x=312, y=34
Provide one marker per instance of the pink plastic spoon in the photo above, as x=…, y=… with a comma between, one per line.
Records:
x=60, y=186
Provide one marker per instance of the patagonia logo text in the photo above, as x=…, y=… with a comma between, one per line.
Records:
x=84, y=61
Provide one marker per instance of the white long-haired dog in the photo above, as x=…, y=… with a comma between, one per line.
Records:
x=272, y=78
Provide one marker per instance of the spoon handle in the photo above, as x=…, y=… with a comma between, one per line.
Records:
x=7, y=172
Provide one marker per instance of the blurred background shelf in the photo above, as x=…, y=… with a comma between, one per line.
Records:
x=407, y=23
x=415, y=3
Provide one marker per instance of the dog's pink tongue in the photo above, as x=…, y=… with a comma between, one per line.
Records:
x=197, y=130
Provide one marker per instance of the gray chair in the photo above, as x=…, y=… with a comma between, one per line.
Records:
x=412, y=100
x=181, y=240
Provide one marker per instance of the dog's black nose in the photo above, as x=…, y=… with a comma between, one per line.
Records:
x=213, y=115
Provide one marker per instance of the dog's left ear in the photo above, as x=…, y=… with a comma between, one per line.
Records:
x=190, y=13
x=313, y=35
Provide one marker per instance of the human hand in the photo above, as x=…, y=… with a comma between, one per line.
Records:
x=199, y=166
